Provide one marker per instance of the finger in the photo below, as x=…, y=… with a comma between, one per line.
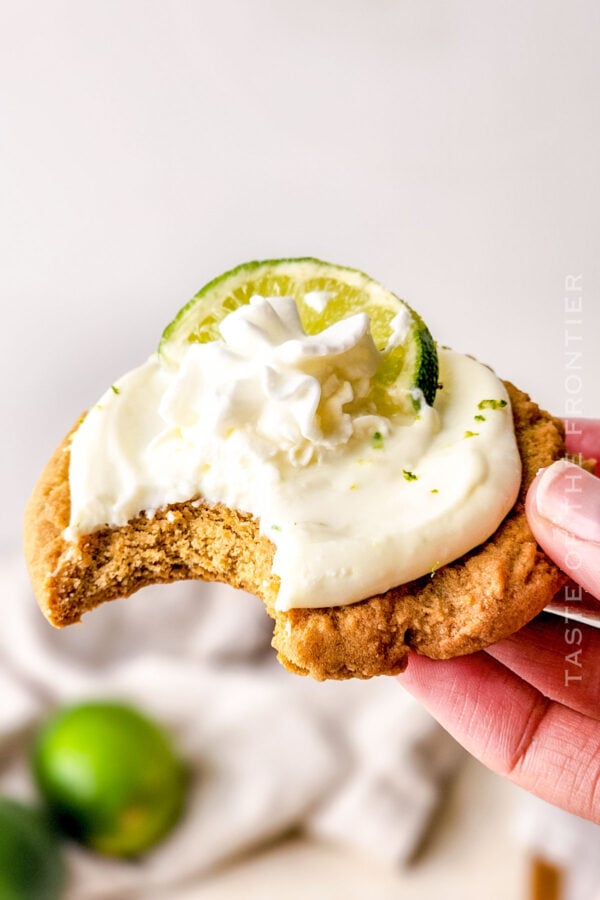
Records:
x=563, y=510
x=512, y=728
x=560, y=658
x=583, y=436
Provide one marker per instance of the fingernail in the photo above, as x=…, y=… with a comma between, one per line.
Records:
x=569, y=497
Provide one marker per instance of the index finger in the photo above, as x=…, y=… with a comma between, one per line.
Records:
x=513, y=728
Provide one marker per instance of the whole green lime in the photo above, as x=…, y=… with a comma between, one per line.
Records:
x=110, y=776
x=31, y=865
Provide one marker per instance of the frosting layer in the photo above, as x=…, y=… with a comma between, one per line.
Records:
x=282, y=425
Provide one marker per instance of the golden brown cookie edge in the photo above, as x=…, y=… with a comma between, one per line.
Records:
x=447, y=615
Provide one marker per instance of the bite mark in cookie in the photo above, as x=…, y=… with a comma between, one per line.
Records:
x=485, y=595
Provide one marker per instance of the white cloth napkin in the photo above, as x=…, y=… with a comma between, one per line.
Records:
x=358, y=763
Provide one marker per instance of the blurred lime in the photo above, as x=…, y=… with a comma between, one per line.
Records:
x=31, y=866
x=324, y=293
x=110, y=776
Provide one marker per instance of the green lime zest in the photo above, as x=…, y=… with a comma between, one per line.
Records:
x=408, y=475
x=491, y=404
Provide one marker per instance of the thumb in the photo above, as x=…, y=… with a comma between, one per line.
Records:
x=563, y=509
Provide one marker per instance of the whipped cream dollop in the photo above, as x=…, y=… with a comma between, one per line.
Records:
x=284, y=389
x=281, y=424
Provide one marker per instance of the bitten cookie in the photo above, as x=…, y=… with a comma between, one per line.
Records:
x=480, y=598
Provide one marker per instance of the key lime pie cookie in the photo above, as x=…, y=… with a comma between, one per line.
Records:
x=299, y=435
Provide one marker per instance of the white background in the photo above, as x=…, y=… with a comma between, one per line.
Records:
x=450, y=149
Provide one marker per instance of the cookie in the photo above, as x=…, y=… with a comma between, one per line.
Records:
x=463, y=607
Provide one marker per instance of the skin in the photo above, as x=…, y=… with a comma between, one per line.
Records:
x=529, y=706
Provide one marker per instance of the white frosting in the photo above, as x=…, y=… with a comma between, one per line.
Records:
x=283, y=389
x=280, y=424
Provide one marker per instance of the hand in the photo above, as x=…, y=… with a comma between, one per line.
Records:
x=529, y=706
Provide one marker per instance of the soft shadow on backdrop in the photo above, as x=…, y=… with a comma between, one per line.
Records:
x=448, y=149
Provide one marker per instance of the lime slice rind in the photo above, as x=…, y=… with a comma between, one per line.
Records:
x=198, y=320
x=406, y=370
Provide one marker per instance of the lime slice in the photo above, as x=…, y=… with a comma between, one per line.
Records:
x=324, y=294
x=109, y=776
